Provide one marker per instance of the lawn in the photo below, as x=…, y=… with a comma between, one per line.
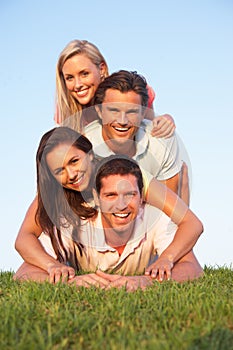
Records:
x=192, y=315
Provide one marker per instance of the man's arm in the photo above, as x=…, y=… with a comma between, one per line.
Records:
x=130, y=283
x=172, y=183
x=187, y=268
x=188, y=231
x=28, y=272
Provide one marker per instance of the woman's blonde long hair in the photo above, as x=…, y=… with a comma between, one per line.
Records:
x=66, y=105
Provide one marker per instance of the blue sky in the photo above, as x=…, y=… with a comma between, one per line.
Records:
x=185, y=51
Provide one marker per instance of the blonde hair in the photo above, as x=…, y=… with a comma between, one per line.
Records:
x=66, y=105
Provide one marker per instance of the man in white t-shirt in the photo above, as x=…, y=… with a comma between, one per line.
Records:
x=121, y=101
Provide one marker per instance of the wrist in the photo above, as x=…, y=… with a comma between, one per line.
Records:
x=51, y=264
x=168, y=256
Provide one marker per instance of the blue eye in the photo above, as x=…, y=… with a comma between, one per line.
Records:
x=69, y=78
x=133, y=111
x=130, y=195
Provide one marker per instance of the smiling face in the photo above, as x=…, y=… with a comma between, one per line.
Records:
x=121, y=115
x=82, y=77
x=119, y=202
x=70, y=166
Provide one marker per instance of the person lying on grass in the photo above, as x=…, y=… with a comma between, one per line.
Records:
x=84, y=248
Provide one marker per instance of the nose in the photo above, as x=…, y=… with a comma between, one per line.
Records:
x=123, y=118
x=121, y=203
x=72, y=173
x=78, y=82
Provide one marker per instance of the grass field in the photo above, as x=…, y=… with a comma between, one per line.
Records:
x=192, y=315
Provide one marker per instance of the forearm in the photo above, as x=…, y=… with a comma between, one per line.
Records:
x=187, y=234
x=163, y=198
x=189, y=226
x=27, y=243
x=131, y=283
x=32, y=251
x=28, y=272
x=185, y=271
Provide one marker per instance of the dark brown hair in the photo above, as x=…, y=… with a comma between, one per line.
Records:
x=123, y=81
x=118, y=165
x=58, y=206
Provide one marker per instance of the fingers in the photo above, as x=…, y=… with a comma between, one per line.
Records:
x=163, y=126
x=160, y=273
x=106, y=281
x=60, y=273
x=131, y=283
x=108, y=277
x=98, y=281
x=151, y=272
x=163, y=131
x=120, y=282
x=89, y=280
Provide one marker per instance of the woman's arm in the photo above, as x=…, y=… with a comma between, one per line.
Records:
x=29, y=247
x=163, y=125
x=188, y=231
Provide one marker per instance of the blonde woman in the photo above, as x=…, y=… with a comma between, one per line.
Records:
x=80, y=69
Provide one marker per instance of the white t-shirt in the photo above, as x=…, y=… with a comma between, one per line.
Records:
x=158, y=156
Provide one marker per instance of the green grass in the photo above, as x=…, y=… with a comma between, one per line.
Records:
x=192, y=315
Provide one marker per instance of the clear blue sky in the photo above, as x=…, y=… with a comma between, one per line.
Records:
x=183, y=48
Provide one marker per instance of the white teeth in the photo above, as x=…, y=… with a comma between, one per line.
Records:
x=77, y=182
x=121, y=129
x=121, y=215
x=82, y=93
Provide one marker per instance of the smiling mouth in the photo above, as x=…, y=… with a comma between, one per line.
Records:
x=121, y=215
x=121, y=129
x=76, y=182
x=82, y=93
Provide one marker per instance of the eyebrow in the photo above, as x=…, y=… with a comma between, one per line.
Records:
x=83, y=70
x=110, y=192
x=130, y=110
x=112, y=108
x=127, y=192
x=135, y=109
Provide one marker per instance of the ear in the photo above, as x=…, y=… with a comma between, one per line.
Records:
x=96, y=198
x=91, y=155
x=103, y=70
x=99, y=111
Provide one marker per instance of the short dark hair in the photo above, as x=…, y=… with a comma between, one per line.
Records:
x=117, y=165
x=123, y=81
